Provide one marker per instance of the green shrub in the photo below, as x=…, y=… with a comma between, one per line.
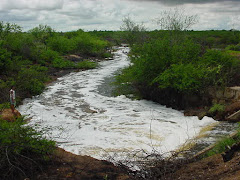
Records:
x=49, y=55
x=61, y=44
x=107, y=55
x=42, y=33
x=152, y=59
x=20, y=44
x=77, y=42
x=224, y=64
x=23, y=150
x=215, y=57
x=217, y=108
x=86, y=65
x=61, y=63
x=31, y=80
x=89, y=45
x=4, y=106
x=233, y=47
x=5, y=60
x=178, y=65
x=182, y=77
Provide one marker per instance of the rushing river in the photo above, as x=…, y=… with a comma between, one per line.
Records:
x=84, y=119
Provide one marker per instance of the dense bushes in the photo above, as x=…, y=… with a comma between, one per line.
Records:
x=5, y=60
x=178, y=65
x=32, y=79
x=61, y=44
x=25, y=57
x=233, y=47
x=86, y=65
x=23, y=150
x=78, y=42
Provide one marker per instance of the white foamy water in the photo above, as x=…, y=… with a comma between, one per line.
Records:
x=85, y=122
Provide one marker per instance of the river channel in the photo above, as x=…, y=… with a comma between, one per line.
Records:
x=83, y=118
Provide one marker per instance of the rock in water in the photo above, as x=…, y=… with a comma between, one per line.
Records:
x=7, y=115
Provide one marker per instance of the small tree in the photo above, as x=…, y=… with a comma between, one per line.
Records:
x=134, y=32
x=176, y=20
x=42, y=32
x=6, y=28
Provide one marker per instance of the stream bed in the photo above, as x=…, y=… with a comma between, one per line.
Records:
x=83, y=118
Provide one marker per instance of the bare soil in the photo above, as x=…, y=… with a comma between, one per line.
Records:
x=65, y=165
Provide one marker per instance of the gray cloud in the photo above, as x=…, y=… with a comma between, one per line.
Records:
x=182, y=2
x=18, y=15
x=31, y=4
x=66, y=15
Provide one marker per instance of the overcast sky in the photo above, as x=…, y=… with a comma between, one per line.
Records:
x=67, y=15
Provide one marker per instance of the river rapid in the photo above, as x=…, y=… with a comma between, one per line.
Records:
x=83, y=118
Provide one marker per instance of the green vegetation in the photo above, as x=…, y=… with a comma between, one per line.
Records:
x=4, y=106
x=224, y=144
x=27, y=58
x=216, y=108
x=115, y=38
x=134, y=33
x=23, y=150
x=26, y=61
x=181, y=64
x=166, y=65
x=86, y=65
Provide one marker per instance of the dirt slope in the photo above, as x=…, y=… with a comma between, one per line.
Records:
x=65, y=165
x=212, y=168
x=69, y=166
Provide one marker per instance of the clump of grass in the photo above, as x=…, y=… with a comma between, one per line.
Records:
x=221, y=146
x=224, y=144
x=216, y=108
x=107, y=55
x=86, y=65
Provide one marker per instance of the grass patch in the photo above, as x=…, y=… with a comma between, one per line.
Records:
x=223, y=145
